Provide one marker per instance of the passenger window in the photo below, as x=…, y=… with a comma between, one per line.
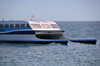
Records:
x=46, y=26
x=11, y=25
x=27, y=26
x=6, y=25
x=22, y=25
x=1, y=25
x=54, y=25
x=35, y=25
x=17, y=26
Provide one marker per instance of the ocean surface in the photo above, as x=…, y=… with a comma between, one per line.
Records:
x=73, y=54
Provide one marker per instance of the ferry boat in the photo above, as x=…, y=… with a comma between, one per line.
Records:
x=31, y=31
x=35, y=32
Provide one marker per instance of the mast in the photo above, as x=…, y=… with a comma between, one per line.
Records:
x=33, y=18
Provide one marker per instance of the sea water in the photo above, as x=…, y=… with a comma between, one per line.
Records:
x=73, y=54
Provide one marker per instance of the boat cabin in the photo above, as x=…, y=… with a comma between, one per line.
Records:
x=34, y=25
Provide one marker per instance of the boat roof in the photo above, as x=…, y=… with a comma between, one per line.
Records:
x=23, y=21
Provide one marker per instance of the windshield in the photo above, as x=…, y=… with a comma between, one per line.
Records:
x=46, y=26
x=35, y=25
x=54, y=26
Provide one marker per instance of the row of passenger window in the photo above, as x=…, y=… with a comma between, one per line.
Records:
x=16, y=26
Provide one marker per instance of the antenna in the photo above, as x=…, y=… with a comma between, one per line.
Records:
x=32, y=18
x=9, y=19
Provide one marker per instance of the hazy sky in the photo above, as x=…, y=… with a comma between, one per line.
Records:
x=55, y=10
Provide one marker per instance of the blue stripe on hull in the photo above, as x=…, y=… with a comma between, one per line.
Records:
x=13, y=29
x=20, y=32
